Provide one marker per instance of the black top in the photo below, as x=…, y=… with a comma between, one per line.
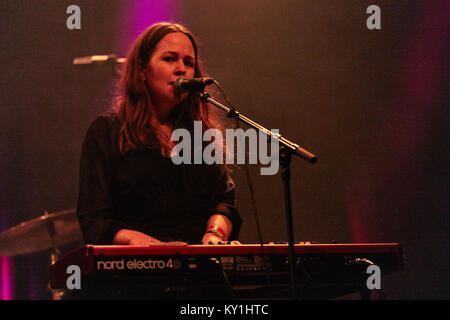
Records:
x=146, y=192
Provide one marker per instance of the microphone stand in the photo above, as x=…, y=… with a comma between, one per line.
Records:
x=287, y=149
x=108, y=59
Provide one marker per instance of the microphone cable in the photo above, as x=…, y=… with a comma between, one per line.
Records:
x=233, y=114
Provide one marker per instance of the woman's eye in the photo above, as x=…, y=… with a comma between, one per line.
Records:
x=189, y=64
x=170, y=59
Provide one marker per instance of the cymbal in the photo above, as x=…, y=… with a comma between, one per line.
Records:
x=45, y=232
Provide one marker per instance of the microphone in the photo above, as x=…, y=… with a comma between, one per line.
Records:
x=183, y=84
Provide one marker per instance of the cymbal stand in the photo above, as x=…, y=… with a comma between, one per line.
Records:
x=54, y=255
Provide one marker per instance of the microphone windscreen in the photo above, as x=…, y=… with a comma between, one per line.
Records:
x=178, y=85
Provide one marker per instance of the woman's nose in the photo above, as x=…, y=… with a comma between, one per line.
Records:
x=180, y=69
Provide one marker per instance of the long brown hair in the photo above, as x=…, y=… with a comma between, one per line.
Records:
x=133, y=104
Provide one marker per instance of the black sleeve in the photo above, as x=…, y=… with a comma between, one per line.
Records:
x=225, y=202
x=94, y=208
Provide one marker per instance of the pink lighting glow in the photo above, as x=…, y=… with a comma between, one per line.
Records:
x=138, y=15
x=6, y=289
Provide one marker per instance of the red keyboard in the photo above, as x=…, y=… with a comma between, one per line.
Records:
x=243, y=266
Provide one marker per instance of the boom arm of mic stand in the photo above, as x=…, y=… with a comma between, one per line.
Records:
x=291, y=146
x=287, y=149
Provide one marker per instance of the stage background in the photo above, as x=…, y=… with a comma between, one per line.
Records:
x=372, y=104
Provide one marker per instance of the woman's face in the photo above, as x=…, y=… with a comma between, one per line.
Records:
x=173, y=56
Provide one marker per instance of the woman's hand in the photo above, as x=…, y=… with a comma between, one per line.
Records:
x=211, y=238
x=134, y=238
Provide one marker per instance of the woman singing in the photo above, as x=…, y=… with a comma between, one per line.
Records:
x=130, y=192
